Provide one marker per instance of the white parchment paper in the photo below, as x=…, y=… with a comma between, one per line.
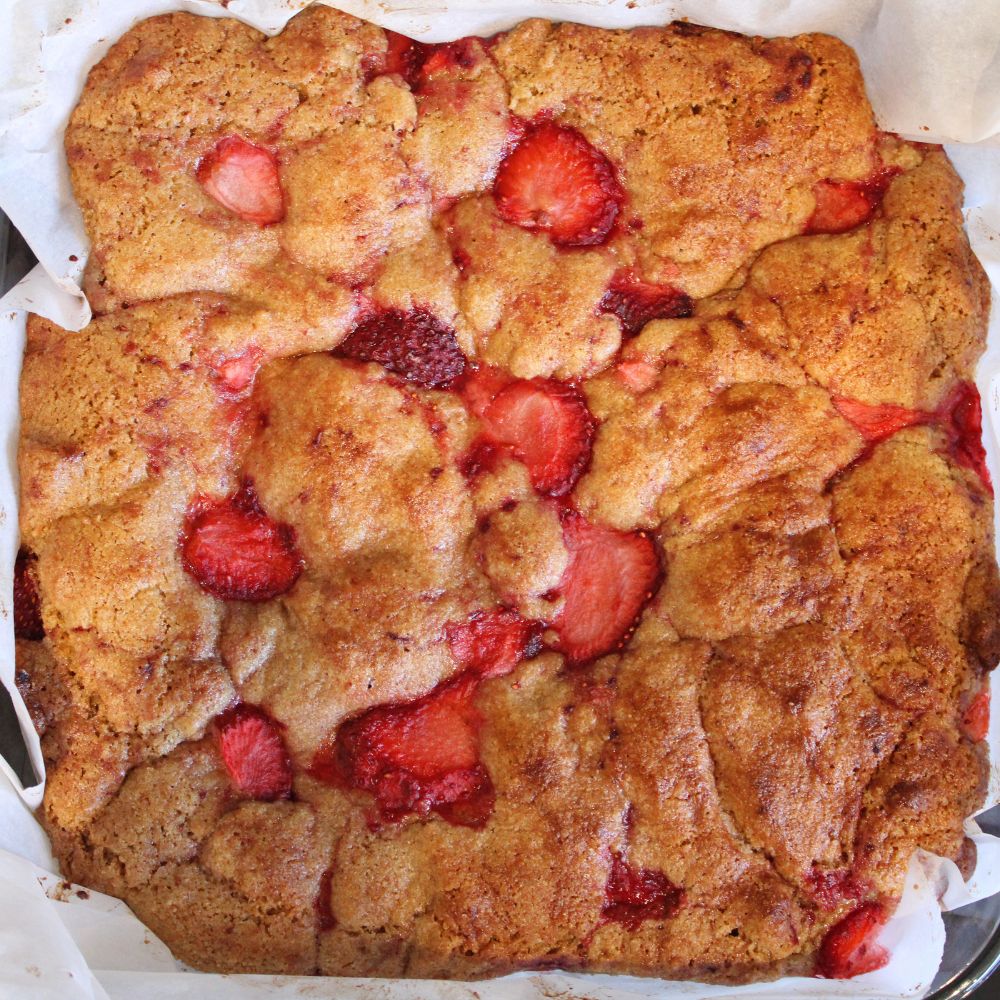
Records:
x=933, y=73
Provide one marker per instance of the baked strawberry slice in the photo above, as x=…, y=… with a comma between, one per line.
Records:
x=403, y=56
x=960, y=416
x=555, y=181
x=849, y=948
x=543, y=423
x=840, y=206
x=243, y=178
x=637, y=303
x=482, y=457
x=450, y=57
x=27, y=606
x=419, y=757
x=610, y=577
x=482, y=385
x=976, y=717
x=637, y=374
x=236, y=552
x=877, y=421
x=253, y=751
x=235, y=374
x=493, y=643
x=843, y=205
x=414, y=344
x=417, y=62
x=831, y=886
x=633, y=895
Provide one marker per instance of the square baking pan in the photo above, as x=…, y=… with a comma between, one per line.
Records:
x=972, y=944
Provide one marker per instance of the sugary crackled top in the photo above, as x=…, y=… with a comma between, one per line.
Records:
x=519, y=503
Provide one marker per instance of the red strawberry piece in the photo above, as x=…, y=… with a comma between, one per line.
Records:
x=554, y=180
x=637, y=374
x=243, y=178
x=254, y=753
x=547, y=425
x=237, y=373
x=976, y=718
x=877, y=421
x=450, y=57
x=610, y=577
x=236, y=552
x=27, y=606
x=633, y=895
x=403, y=56
x=418, y=757
x=842, y=205
x=849, y=948
x=961, y=418
x=482, y=457
x=543, y=423
x=481, y=386
x=415, y=345
x=445, y=84
x=636, y=302
x=831, y=886
x=493, y=643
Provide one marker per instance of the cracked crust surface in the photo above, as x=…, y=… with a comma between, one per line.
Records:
x=790, y=704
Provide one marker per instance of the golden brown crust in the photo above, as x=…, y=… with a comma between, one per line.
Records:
x=790, y=706
x=683, y=110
